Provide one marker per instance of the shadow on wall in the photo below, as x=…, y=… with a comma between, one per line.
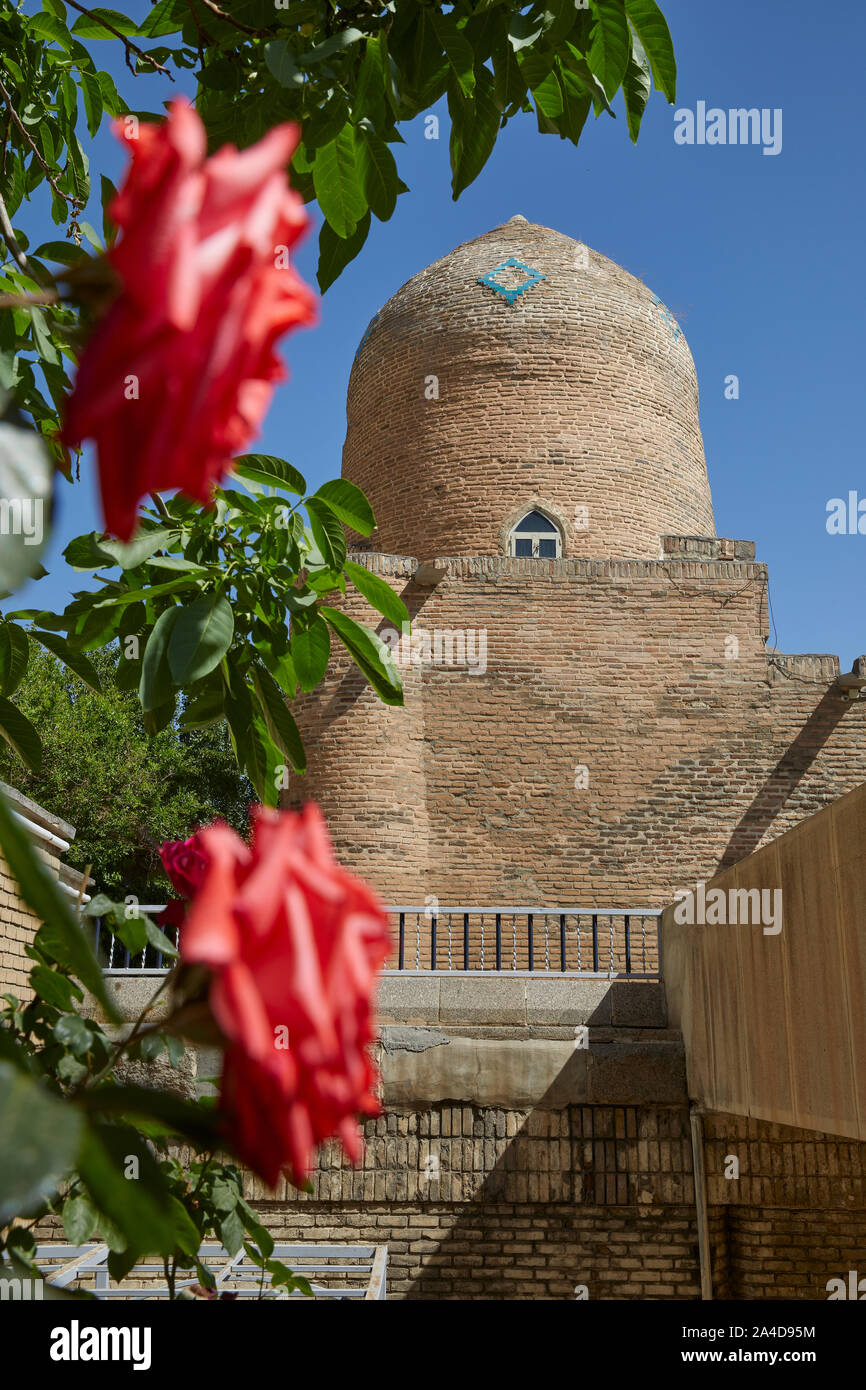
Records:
x=788, y=772
x=570, y=1203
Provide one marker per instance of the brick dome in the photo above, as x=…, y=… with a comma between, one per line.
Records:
x=521, y=372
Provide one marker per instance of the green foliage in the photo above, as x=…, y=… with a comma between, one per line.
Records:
x=218, y=617
x=124, y=791
x=78, y=1142
x=50, y=90
x=350, y=75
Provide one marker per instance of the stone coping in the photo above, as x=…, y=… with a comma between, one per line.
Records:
x=34, y=812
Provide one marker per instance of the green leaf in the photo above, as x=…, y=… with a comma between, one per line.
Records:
x=39, y=1140
x=20, y=734
x=337, y=182
x=651, y=28
x=281, y=63
x=263, y=758
x=609, y=47
x=50, y=28
x=348, y=503
x=378, y=173
x=377, y=592
x=335, y=44
x=94, y=551
x=54, y=988
x=88, y=26
x=14, y=654
x=370, y=84
x=335, y=252
x=186, y=1234
x=262, y=1237
x=132, y=932
x=79, y=1220
x=636, y=87
x=271, y=472
x=92, y=93
x=231, y=1231
x=76, y=661
x=524, y=30
x=328, y=532
x=579, y=69
x=73, y=1033
x=200, y=638
x=204, y=709
x=458, y=51
x=159, y=939
x=166, y=17
x=311, y=650
x=139, y=1207
x=280, y=723
x=156, y=684
x=370, y=653
x=474, y=127
x=543, y=83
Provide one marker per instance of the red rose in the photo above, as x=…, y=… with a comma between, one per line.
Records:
x=179, y=374
x=184, y=863
x=295, y=943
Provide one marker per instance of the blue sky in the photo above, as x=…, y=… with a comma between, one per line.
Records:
x=760, y=257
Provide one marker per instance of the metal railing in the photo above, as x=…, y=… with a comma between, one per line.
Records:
x=604, y=943
x=593, y=942
x=333, y=1271
x=117, y=959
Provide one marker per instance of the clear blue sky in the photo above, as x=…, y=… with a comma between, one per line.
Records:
x=760, y=258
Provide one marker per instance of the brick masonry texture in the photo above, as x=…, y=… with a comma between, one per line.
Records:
x=580, y=394
x=627, y=733
x=18, y=927
x=694, y=758
x=530, y=1204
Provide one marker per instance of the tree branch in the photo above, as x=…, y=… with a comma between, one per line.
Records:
x=26, y=301
x=127, y=43
x=236, y=23
x=9, y=236
x=25, y=135
x=160, y=506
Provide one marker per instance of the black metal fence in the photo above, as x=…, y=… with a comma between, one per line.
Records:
x=608, y=943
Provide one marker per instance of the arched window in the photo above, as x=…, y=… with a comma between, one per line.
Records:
x=535, y=535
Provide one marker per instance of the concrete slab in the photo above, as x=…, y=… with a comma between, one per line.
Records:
x=520, y=1075
x=482, y=999
x=636, y=1004
x=636, y=1074
x=409, y=999
x=567, y=1002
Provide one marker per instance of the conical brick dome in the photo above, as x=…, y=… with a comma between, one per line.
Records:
x=525, y=371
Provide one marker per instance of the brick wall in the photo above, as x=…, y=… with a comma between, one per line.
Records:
x=18, y=926
x=580, y=394
x=531, y=1204
x=693, y=758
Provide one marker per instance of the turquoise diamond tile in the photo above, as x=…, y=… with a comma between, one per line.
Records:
x=510, y=294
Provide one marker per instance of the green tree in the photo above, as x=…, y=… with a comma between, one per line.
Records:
x=351, y=75
x=125, y=792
